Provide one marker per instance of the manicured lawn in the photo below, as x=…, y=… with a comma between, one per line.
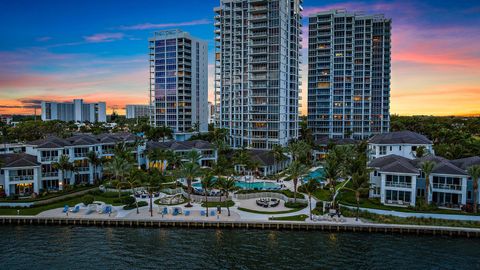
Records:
x=38, y=209
x=48, y=196
x=26, y=211
x=348, y=198
x=291, y=218
x=387, y=219
x=230, y=203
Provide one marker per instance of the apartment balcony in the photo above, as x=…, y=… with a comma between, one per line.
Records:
x=80, y=155
x=259, y=17
x=82, y=169
x=398, y=184
x=49, y=174
x=447, y=186
x=18, y=178
x=49, y=159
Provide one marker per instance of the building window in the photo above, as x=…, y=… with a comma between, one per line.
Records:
x=383, y=150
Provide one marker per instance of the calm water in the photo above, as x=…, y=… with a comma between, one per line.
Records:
x=41, y=247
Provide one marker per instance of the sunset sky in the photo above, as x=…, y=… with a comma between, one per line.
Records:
x=98, y=50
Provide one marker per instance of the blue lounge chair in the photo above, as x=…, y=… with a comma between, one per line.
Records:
x=76, y=209
x=175, y=212
x=187, y=213
x=165, y=211
x=202, y=213
x=108, y=210
x=65, y=209
x=212, y=213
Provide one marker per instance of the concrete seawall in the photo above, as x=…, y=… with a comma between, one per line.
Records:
x=267, y=225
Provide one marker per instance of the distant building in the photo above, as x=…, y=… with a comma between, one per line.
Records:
x=349, y=64
x=178, y=82
x=136, y=111
x=7, y=119
x=211, y=113
x=76, y=111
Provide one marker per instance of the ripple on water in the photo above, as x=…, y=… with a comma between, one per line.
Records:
x=41, y=247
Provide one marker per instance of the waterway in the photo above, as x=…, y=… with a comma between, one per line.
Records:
x=73, y=247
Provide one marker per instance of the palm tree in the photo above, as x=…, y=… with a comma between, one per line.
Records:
x=136, y=178
x=331, y=174
x=278, y=153
x=226, y=185
x=310, y=187
x=360, y=185
x=207, y=184
x=64, y=165
x=174, y=159
x=193, y=156
x=190, y=171
x=118, y=167
x=295, y=171
x=474, y=172
x=300, y=150
x=95, y=161
x=241, y=158
x=420, y=151
x=427, y=168
x=253, y=166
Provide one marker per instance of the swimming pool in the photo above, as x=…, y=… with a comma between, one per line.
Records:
x=317, y=175
x=246, y=185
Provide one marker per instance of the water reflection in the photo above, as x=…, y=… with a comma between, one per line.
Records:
x=148, y=248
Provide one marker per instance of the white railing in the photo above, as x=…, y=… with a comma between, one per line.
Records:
x=399, y=185
x=275, y=195
x=47, y=159
x=447, y=186
x=50, y=174
x=21, y=178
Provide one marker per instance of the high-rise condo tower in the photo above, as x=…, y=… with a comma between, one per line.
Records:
x=348, y=74
x=257, y=45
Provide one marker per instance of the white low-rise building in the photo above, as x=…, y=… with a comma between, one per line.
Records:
x=399, y=181
x=400, y=143
x=77, y=111
x=19, y=174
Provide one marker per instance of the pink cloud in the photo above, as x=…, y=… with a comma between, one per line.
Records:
x=104, y=37
x=145, y=26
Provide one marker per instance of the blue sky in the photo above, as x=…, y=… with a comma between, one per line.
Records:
x=98, y=49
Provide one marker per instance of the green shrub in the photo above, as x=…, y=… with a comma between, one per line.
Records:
x=87, y=199
x=134, y=205
x=295, y=205
x=128, y=200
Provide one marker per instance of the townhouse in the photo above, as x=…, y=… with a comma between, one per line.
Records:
x=397, y=177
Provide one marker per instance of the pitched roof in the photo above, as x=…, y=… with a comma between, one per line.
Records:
x=446, y=167
x=399, y=164
x=465, y=163
x=342, y=141
x=400, y=137
x=50, y=142
x=264, y=157
x=181, y=146
x=83, y=139
x=393, y=163
x=18, y=160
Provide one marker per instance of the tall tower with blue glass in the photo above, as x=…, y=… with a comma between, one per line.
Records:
x=178, y=82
